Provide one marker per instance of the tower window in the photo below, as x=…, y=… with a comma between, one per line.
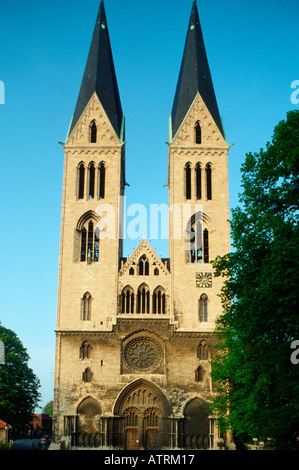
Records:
x=198, y=181
x=87, y=375
x=203, y=350
x=206, y=246
x=188, y=180
x=85, y=351
x=81, y=178
x=102, y=177
x=197, y=133
x=198, y=246
x=203, y=308
x=91, y=180
x=209, y=181
x=90, y=243
x=86, y=307
x=93, y=132
x=199, y=374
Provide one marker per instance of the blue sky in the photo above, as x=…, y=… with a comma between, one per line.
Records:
x=253, y=52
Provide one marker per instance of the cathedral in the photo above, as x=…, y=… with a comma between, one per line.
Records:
x=135, y=335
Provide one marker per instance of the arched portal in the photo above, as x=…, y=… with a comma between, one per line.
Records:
x=143, y=409
x=88, y=418
x=196, y=425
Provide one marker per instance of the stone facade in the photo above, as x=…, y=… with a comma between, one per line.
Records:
x=135, y=335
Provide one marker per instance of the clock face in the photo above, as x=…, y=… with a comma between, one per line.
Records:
x=203, y=279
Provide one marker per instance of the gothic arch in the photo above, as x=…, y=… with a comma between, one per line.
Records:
x=86, y=216
x=198, y=240
x=89, y=412
x=89, y=406
x=196, y=424
x=154, y=395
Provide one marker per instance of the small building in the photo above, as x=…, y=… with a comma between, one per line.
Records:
x=42, y=424
x=4, y=432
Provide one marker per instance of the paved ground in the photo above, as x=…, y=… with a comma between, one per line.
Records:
x=26, y=444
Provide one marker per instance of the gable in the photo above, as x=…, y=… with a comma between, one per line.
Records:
x=211, y=134
x=155, y=262
x=94, y=111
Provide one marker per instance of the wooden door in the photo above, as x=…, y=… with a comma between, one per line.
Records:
x=152, y=439
x=132, y=439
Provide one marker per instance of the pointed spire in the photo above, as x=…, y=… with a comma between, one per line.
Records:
x=194, y=77
x=100, y=77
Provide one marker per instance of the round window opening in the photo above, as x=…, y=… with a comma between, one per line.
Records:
x=143, y=354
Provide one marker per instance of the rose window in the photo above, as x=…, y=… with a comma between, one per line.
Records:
x=142, y=354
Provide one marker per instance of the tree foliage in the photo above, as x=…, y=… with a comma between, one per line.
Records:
x=19, y=386
x=257, y=382
x=48, y=408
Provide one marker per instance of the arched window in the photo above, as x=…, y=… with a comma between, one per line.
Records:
x=203, y=350
x=81, y=179
x=197, y=133
x=209, y=181
x=131, y=271
x=198, y=180
x=127, y=298
x=93, y=132
x=85, y=351
x=199, y=244
x=203, y=308
x=159, y=300
x=188, y=180
x=199, y=374
x=143, y=266
x=91, y=180
x=196, y=243
x=90, y=242
x=206, y=245
x=156, y=272
x=102, y=180
x=143, y=299
x=87, y=375
x=86, y=307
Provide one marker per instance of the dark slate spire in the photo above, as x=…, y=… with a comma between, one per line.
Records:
x=194, y=77
x=100, y=77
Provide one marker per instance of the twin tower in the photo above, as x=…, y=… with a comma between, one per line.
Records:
x=135, y=335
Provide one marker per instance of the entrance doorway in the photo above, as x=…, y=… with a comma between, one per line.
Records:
x=152, y=439
x=132, y=441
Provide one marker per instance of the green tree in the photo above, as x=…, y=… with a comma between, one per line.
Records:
x=258, y=385
x=48, y=408
x=19, y=386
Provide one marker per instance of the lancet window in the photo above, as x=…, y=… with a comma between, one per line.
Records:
x=199, y=244
x=93, y=132
x=209, y=181
x=81, y=180
x=197, y=133
x=203, y=308
x=128, y=300
x=86, y=307
x=159, y=300
x=102, y=180
x=90, y=242
x=188, y=180
x=143, y=266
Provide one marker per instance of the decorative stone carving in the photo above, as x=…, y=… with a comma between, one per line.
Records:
x=142, y=354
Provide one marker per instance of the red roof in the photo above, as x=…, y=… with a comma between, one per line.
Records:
x=3, y=424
